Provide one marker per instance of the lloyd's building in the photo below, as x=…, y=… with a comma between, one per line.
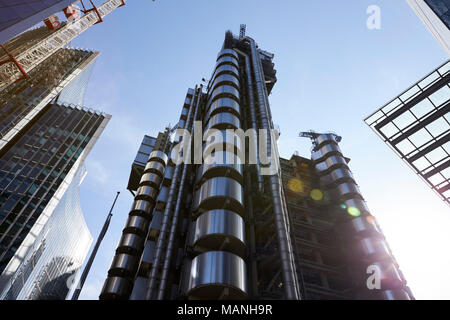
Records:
x=231, y=228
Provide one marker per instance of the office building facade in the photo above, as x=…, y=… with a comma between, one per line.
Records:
x=416, y=125
x=435, y=14
x=48, y=270
x=46, y=134
x=229, y=225
x=18, y=16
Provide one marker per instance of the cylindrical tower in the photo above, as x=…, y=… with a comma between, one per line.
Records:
x=217, y=231
x=124, y=266
x=374, y=270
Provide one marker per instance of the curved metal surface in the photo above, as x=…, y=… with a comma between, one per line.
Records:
x=221, y=140
x=358, y=204
x=330, y=163
x=223, y=104
x=336, y=176
x=371, y=248
x=220, y=230
x=155, y=167
x=325, y=151
x=224, y=91
x=223, y=121
x=131, y=243
x=221, y=164
x=346, y=190
x=226, y=68
x=327, y=137
x=225, y=79
x=220, y=193
x=124, y=265
x=214, y=271
x=115, y=288
x=227, y=52
x=158, y=156
x=151, y=179
x=141, y=207
x=227, y=60
x=137, y=224
x=360, y=227
x=148, y=193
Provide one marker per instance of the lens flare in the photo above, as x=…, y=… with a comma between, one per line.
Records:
x=354, y=211
x=343, y=206
x=295, y=185
x=316, y=194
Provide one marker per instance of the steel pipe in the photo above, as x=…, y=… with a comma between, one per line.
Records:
x=167, y=216
x=288, y=270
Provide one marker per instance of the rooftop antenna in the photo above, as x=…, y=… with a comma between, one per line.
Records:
x=242, y=31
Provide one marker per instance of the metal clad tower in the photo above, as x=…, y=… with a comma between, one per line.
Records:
x=228, y=222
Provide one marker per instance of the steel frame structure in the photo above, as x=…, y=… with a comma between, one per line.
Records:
x=416, y=125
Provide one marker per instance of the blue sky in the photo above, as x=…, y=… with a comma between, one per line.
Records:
x=332, y=72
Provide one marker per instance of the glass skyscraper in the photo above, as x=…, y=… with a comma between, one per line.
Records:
x=46, y=134
x=19, y=15
x=435, y=14
x=48, y=269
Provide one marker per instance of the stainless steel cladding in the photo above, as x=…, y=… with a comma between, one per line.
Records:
x=360, y=227
x=326, y=151
x=223, y=120
x=226, y=69
x=125, y=264
x=218, y=193
x=221, y=164
x=158, y=156
x=371, y=248
x=141, y=207
x=217, y=275
x=218, y=206
x=130, y=242
x=325, y=138
x=225, y=79
x=223, y=105
x=150, y=179
x=116, y=288
x=336, y=176
x=136, y=224
x=146, y=192
x=224, y=91
x=330, y=163
x=363, y=241
x=154, y=167
x=218, y=140
x=219, y=230
x=227, y=52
